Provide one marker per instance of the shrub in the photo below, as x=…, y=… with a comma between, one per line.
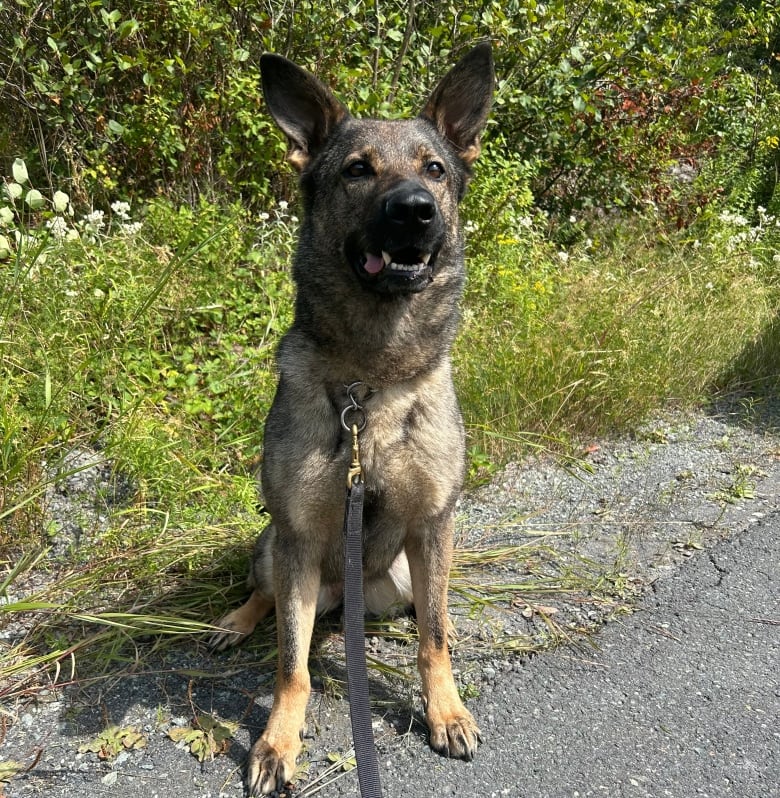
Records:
x=605, y=98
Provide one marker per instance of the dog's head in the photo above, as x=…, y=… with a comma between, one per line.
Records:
x=388, y=189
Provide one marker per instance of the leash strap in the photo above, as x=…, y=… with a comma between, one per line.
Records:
x=354, y=609
x=355, y=644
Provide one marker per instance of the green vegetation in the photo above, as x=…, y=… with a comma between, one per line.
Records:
x=623, y=241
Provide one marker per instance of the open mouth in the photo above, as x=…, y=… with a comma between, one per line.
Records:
x=408, y=265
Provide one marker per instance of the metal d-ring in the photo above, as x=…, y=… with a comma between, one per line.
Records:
x=359, y=419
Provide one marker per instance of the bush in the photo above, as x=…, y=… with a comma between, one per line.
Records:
x=607, y=99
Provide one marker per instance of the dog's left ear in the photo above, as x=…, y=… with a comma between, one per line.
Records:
x=460, y=104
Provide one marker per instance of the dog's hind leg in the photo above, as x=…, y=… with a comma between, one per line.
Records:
x=453, y=730
x=239, y=624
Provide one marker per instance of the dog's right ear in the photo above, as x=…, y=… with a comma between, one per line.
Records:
x=305, y=109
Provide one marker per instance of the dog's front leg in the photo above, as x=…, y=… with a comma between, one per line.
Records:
x=272, y=758
x=453, y=730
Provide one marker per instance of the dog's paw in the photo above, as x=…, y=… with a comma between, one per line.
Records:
x=456, y=736
x=268, y=770
x=240, y=623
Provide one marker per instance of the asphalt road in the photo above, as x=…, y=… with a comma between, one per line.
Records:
x=681, y=699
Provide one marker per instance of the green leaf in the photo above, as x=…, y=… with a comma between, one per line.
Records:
x=110, y=20
x=115, y=127
x=127, y=28
x=186, y=733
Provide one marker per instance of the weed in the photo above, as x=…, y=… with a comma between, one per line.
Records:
x=113, y=740
x=742, y=486
x=206, y=737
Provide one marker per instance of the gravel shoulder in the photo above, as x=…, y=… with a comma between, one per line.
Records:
x=679, y=698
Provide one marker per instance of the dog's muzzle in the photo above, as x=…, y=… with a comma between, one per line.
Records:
x=398, y=253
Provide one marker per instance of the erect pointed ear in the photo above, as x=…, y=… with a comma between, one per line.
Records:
x=460, y=104
x=305, y=109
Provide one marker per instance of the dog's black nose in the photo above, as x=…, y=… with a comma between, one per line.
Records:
x=412, y=205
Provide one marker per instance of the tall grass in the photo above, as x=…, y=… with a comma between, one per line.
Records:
x=628, y=324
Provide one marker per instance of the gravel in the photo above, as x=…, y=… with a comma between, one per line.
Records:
x=642, y=509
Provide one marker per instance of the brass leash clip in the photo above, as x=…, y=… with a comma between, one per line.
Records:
x=355, y=470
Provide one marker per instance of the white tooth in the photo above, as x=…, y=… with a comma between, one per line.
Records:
x=387, y=258
x=425, y=258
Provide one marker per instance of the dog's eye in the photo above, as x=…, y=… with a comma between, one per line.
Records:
x=358, y=169
x=434, y=170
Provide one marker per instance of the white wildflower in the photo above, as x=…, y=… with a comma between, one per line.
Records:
x=283, y=205
x=563, y=256
x=121, y=209
x=94, y=219
x=58, y=227
x=131, y=228
x=733, y=218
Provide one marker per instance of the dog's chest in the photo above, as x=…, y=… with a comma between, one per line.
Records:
x=411, y=454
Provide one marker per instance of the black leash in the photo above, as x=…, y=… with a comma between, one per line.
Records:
x=354, y=611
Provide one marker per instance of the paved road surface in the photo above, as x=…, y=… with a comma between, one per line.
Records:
x=682, y=699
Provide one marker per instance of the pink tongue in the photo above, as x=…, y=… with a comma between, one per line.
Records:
x=374, y=263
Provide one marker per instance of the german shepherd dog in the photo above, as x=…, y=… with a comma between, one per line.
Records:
x=379, y=273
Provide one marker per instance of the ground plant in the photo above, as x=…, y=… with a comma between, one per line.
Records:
x=623, y=244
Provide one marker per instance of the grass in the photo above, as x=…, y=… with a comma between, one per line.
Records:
x=626, y=324
x=138, y=349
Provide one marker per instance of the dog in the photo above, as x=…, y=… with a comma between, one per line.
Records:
x=379, y=272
